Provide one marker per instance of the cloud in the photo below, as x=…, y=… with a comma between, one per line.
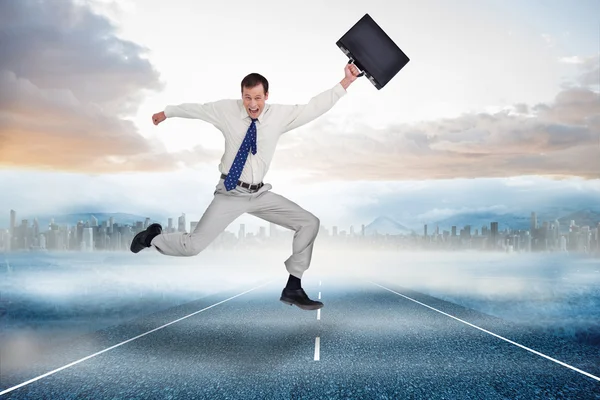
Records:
x=67, y=83
x=40, y=192
x=571, y=60
x=440, y=199
x=67, y=46
x=590, y=71
x=556, y=139
x=438, y=214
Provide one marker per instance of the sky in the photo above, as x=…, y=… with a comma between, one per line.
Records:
x=499, y=103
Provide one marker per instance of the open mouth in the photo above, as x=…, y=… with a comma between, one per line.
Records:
x=253, y=111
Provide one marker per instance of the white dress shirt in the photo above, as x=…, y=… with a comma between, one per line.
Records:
x=230, y=117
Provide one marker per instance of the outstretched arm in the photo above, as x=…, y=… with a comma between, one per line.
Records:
x=209, y=112
x=301, y=114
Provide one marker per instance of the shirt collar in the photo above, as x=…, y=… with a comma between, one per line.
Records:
x=244, y=113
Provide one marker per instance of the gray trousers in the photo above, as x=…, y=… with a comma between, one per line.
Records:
x=227, y=206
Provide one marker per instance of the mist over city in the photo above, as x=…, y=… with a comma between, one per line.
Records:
x=548, y=280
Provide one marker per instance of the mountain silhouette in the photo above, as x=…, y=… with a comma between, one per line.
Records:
x=386, y=226
x=585, y=217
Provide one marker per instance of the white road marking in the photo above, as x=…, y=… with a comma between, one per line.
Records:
x=122, y=343
x=319, y=313
x=493, y=334
x=317, y=347
x=319, y=295
x=319, y=283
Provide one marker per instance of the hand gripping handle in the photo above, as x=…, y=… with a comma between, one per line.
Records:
x=350, y=61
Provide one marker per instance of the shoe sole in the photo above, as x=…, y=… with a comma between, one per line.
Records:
x=293, y=303
x=136, y=247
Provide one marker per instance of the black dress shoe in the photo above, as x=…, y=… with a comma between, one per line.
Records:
x=299, y=298
x=143, y=239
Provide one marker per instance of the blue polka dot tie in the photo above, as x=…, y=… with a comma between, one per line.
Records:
x=242, y=155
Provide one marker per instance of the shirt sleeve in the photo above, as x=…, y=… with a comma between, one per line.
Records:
x=294, y=116
x=211, y=112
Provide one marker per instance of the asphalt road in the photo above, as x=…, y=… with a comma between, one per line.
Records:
x=372, y=340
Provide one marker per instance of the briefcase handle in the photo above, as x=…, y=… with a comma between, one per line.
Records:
x=350, y=61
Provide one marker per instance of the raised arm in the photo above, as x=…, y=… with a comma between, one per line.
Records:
x=210, y=112
x=297, y=115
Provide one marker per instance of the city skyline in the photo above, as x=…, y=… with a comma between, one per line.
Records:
x=94, y=235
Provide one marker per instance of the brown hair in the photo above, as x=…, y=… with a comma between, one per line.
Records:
x=254, y=79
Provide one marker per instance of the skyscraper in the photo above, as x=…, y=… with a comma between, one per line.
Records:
x=181, y=227
x=13, y=222
x=88, y=239
x=36, y=228
x=533, y=224
x=11, y=230
x=494, y=234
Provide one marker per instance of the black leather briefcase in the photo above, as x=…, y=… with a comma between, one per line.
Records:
x=372, y=51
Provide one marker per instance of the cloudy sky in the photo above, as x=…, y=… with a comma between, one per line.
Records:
x=498, y=109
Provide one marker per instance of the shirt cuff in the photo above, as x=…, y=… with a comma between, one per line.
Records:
x=169, y=111
x=339, y=89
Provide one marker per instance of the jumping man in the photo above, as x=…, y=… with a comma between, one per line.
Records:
x=251, y=128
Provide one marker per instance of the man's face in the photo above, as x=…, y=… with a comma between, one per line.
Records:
x=254, y=100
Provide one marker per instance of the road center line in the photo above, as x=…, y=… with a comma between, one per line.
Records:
x=319, y=295
x=122, y=343
x=319, y=313
x=317, y=348
x=493, y=334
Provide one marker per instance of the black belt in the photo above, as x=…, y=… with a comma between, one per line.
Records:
x=246, y=185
